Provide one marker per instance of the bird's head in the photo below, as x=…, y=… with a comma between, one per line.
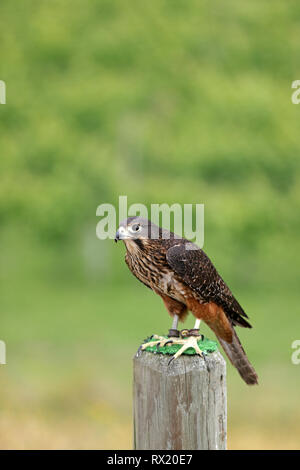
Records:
x=136, y=231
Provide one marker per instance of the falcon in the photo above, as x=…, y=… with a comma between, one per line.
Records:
x=187, y=281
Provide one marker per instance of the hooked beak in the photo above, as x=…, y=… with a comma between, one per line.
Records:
x=121, y=234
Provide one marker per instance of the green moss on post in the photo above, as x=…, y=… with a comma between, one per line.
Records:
x=206, y=345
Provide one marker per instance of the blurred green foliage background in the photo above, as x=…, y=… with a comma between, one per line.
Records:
x=162, y=101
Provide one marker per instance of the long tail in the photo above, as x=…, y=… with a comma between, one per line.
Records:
x=238, y=358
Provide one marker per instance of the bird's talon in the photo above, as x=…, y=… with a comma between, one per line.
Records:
x=185, y=342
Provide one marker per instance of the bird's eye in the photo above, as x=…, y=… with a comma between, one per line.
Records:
x=135, y=227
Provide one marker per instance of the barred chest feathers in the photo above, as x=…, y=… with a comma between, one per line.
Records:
x=154, y=274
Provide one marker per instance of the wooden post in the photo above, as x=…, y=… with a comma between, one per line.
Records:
x=181, y=406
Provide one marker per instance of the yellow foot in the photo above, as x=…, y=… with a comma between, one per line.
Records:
x=188, y=342
x=158, y=341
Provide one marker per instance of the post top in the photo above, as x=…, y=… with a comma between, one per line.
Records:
x=182, y=365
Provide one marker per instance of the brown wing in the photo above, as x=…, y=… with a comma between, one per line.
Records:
x=198, y=272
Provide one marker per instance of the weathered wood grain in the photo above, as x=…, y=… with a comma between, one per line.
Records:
x=180, y=406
